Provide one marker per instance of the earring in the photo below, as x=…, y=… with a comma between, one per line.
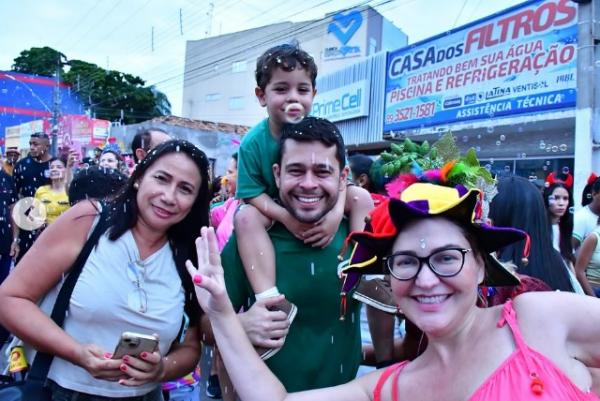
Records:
x=136, y=186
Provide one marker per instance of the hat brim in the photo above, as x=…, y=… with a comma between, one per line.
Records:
x=488, y=237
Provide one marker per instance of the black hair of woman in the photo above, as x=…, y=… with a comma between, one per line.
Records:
x=519, y=204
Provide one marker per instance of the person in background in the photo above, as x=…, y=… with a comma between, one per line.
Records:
x=110, y=159
x=559, y=206
x=586, y=219
x=538, y=346
x=97, y=155
x=507, y=210
x=54, y=196
x=375, y=293
x=587, y=265
x=146, y=140
x=30, y=173
x=221, y=216
x=8, y=197
x=133, y=280
x=586, y=194
x=11, y=159
x=219, y=192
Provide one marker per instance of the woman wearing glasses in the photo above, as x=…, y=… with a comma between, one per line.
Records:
x=133, y=280
x=438, y=253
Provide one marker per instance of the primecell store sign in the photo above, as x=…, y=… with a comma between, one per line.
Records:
x=350, y=101
x=521, y=60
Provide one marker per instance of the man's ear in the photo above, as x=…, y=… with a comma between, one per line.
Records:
x=140, y=154
x=344, y=177
x=260, y=95
x=276, y=174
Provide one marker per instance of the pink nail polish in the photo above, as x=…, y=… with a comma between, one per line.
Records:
x=126, y=358
x=144, y=355
x=123, y=368
x=107, y=355
x=197, y=279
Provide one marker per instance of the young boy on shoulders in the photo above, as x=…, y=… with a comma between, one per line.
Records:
x=285, y=78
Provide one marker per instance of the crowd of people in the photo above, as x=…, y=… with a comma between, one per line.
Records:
x=495, y=280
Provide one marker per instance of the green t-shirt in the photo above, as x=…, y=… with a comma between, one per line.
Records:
x=320, y=349
x=256, y=156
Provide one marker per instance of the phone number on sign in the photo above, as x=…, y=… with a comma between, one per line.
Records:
x=409, y=113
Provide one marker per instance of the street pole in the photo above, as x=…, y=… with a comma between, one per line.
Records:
x=55, y=111
x=584, y=115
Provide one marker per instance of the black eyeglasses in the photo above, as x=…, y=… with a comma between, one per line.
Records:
x=444, y=263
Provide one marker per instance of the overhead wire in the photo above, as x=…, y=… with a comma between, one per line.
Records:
x=149, y=73
x=285, y=32
x=310, y=27
x=79, y=22
x=121, y=24
x=203, y=69
x=459, y=13
x=84, y=87
x=111, y=99
x=230, y=52
x=78, y=38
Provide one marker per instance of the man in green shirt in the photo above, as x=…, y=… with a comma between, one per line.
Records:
x=321, y=350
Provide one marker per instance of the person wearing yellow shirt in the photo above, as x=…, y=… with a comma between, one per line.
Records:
x=54, y=196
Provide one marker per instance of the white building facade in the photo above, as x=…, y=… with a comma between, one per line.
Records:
x=219, y=77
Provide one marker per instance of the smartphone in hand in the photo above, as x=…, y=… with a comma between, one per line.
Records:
x=134, y=344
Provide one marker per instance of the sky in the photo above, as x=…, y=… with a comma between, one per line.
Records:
x=147, y=37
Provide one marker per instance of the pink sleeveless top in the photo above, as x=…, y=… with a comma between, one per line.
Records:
x=525, y=375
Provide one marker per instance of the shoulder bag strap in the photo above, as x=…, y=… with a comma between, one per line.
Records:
x=42, y=361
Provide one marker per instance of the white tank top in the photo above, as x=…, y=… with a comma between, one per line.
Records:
x=106, y=301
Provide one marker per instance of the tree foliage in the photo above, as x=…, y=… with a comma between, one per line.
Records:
x=108, y=94
x=38, y=61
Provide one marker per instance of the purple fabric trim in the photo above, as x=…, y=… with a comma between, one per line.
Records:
x=462, y=190
x=419, y=205
x=352, y=278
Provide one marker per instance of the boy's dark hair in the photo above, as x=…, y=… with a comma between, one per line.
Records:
x=314, y=129
x=95, y=182
x=288, y=58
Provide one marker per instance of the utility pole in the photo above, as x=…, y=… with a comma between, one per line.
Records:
x=56, y=110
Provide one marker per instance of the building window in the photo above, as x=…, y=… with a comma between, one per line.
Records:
x=236, y=103
x=213, y=97
x=238, y=66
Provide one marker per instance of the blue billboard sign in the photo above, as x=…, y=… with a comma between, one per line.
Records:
x=521, y=60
